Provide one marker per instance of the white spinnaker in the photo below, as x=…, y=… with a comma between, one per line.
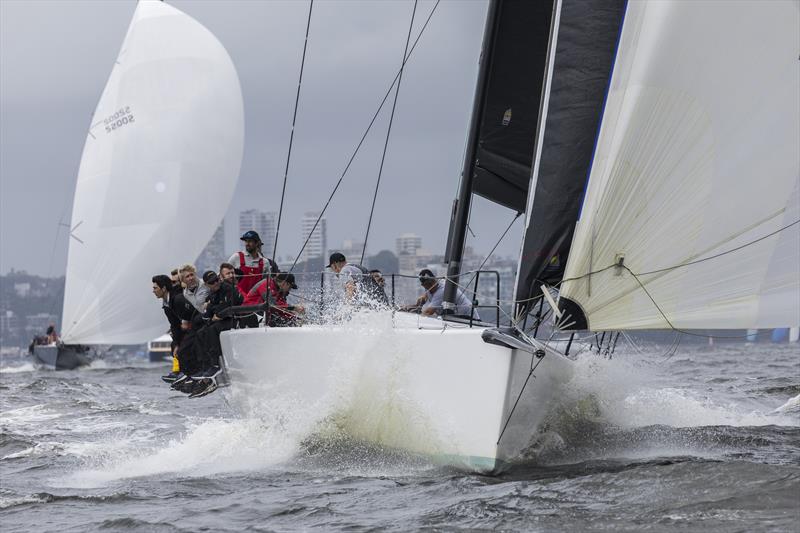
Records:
x=698, y=154
x=157, y=173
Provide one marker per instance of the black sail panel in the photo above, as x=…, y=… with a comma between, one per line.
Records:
x=507, y=126
x=585, y=49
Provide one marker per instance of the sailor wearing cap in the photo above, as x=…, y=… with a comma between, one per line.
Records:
x=250, y=264
x=430, y=303
x=275, y=290
x=360, y=286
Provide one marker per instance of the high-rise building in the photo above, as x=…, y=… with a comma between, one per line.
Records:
x=214, y=252
x=265, y=223
x=408, y=243
x=352, y=249
x=318, y=243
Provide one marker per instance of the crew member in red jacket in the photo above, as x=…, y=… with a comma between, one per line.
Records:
x=280, y=313
x=251, y=265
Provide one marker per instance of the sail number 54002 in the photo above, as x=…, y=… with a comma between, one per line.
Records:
x=118, y=119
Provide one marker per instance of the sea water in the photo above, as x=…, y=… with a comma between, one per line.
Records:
x=703, y=439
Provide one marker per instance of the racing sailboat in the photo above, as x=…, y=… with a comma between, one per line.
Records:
x=653, y=149
x=167, y=136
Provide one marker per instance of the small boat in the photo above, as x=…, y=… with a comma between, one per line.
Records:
x=60, y=357
x=160, y=350
x=167, y=136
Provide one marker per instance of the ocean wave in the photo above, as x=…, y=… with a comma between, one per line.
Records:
x=792, y=406
x=46, y=497
x=793, y=389
x=209, y=447
x=26, y=416
x=629, y=395
x=24, y=367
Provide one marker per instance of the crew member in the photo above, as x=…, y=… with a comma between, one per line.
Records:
x=251, y=265
x=176, y=308
x=430, y=303
x=360, y=287
x=279, y=312
x=221, y=296
x=194, y=291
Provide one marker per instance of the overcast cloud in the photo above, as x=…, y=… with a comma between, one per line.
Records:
x=55, y=57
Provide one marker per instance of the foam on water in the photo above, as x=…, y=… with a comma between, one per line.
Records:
x=632, y=394
x=360, y=390
x=791, y=406
x=209, y=447
x=14, y=369
x=96, y=364
x=26, y=416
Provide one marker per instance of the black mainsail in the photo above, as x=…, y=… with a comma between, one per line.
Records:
x=539, y=98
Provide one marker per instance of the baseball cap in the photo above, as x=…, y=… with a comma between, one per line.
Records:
x=336, y=257
x=426, y=275
x=286, y=276
x=209, y=276
x=250, y=235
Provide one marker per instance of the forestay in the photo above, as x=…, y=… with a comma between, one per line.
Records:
x=158, y=170
x=697, y=155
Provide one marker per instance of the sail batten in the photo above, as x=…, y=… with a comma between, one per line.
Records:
x=158, y=170
x=696, y=174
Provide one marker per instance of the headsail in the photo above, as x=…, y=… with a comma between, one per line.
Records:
x=158, y=170
x=583, y=43
x=694, y=187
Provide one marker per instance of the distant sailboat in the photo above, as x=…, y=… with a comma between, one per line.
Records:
x=167, y=136
x=688, y=220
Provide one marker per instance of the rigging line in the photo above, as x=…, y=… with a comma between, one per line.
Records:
x=369, y=127
x=477, y=270
x=510, y=414
x=664, y=316
x=723, y=253
x=674, y=267
x=388, y=132
x=291, y=135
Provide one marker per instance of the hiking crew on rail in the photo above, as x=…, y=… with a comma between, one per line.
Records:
x=198, y=310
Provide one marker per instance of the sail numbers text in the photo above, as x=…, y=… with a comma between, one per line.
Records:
x=118, y=119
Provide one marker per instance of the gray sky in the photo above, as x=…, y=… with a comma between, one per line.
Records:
x=55, y=57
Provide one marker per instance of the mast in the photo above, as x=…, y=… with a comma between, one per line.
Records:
x=458, y=224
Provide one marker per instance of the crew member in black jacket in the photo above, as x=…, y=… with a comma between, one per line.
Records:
x=183, y=322
x=221, y=296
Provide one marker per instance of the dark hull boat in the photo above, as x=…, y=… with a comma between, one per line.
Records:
x=61, y=357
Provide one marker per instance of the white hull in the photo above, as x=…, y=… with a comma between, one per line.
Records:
x=414, y=386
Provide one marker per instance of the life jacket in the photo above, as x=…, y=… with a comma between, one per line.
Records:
x=277, y=301
x=257, y=294
x=250, y=275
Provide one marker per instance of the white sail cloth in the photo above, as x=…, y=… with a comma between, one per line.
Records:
x=697, y=155
x=157, y=173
